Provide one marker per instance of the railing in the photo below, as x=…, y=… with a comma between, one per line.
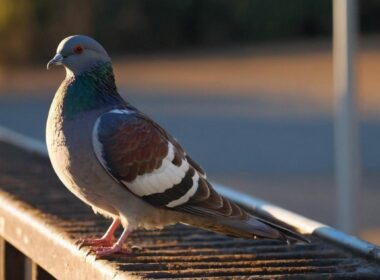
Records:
x=40, y=218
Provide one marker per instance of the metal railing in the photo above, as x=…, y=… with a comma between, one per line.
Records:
x=45, y=235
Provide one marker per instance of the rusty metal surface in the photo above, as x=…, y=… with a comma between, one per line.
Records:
x=50, y=219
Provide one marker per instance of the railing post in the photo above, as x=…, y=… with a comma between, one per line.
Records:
x=30, y=269
x=346, y=127
x=14, y=263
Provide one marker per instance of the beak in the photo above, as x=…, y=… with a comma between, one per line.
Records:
x=56, y=60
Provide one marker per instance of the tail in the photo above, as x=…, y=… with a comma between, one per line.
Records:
x=212, y=211
x=288, y=235
x=253, y=227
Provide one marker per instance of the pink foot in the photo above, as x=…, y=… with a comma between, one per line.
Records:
x=109, y=250
x=96, y=242
x=106, y=240
x=104, y=246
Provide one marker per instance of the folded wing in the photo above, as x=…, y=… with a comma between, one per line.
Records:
x=151, y=164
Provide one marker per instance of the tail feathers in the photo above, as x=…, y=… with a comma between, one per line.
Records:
x=288, y=235
x=258, y=228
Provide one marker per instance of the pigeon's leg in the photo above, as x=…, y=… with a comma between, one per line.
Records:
x=115, y=248
x=106, y=240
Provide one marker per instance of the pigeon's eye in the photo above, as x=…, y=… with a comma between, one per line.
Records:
x=78, y=49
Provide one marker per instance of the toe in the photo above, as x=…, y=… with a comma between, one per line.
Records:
x=106, y=251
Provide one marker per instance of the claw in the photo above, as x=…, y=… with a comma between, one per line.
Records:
x=136, y=248
x=88, y=252
x=80, y=243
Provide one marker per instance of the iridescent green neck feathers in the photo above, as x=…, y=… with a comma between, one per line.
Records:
x=90, y=90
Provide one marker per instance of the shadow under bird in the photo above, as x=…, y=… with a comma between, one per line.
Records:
x=126, y=166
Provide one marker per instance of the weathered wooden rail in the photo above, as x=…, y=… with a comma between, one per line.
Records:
x=40, y=221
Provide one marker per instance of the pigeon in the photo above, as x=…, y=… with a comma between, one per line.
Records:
x=127, y=167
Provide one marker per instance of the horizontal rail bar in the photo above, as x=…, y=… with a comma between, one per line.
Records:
x=20, y=140
x=304, y=225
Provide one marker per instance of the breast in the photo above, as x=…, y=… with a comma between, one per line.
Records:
x=70, y=150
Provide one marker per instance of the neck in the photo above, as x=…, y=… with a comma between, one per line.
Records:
x=90, y=90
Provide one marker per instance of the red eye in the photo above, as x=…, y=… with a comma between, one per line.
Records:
x=78, y=49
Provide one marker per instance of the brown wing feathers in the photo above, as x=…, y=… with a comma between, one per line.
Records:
x=130, y=147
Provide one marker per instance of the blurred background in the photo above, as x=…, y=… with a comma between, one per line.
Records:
x=246, y=86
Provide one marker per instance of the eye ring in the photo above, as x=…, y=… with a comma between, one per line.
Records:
x=78, y=49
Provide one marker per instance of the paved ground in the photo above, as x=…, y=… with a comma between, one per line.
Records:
x=275, y=142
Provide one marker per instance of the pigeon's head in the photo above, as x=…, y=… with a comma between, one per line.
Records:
x=79, y=53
